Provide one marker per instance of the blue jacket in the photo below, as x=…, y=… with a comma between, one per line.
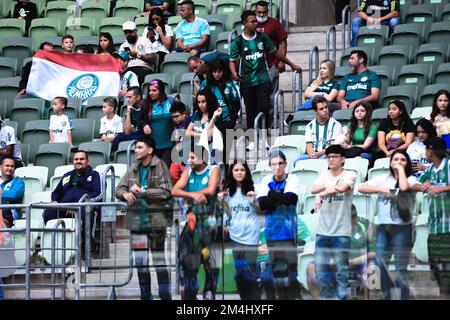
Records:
x=70, y=190
x=13, y=190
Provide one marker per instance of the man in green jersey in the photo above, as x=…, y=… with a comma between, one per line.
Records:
x=362, y=84
x=435, y=182
x=248, y=51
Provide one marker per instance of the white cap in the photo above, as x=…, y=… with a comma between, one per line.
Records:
x=129, y=25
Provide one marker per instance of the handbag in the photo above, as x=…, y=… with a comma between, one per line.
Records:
x=353, y=152
x=403, y=203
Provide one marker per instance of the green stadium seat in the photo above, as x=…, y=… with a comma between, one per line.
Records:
x=434, y=53
x=72, y=109
x=307, y=256
x=141, y=24
x=52, y=155
x=440, y=32
x=175, y=64
x=97, y=10
x=11, y=28
x=41, y=4
x=98, y=151
x=372, y=36
x=395, y=55
x=87, y=40
x=427, y=96
x=442, y=74
x=421, y=13
x=58, y=173
x=80, y=27
x=358, y=165
x=217, y=24
x=166, y=78
x=35, y=178
x=70, y=242
x=407, y=93
x=61, y=10
x=12, y=124
x=118, y=40
x=370, y=51
x=386, y=75
x=341, y=72
x=25, y=152
x=112, y=25
x=27, y=109
x=446, y=13
x=404, y=6
x=83, y=131
x=185, y=84
x=419, y=113
x=259, y=174
x=8, y=91
x=187, y=100
x=44, y=28
x=306, y=177
x=8, y=67
x=420, y=248
x=222, y=42
x=415, y=74
x=300, y=120
x=19, y=48
x=34, y=134
x=93, y=110
x=5, y=7
x=128, y=9
x=343, y=116
x=237, y=24
x=228, y=7
x=55, y=41
x=120, y=156
x=174, y=21
x=378, y=115
x=119, y=171
x=409, y=34
x=292, y=146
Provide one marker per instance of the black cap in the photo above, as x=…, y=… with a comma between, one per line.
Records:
x=436, y=144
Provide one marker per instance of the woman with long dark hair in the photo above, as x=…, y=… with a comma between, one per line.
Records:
x=395, y=227
x=360, y=132
x=206, y=113
x=440, y=112
x=159, y=33
x=105, y=43
x=157, y=111
x=416, y=151
x=239, y=196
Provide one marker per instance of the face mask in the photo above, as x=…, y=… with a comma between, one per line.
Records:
x=261, y=19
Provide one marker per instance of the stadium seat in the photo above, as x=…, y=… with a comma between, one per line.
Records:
x=378, y=115
x=386, y=75
x=372, y=36
x=98, y=151
x=222, y=42
x=228, y=7
x=113, y=25
x=237, y=24
x=119, y=171
x=174, y=21
x=414, y=74
x=427, y=96
x=58, y=173
x=35, y=178
x=44, y=28
x=165, y=77
x=25, y=110
x=12, y=124
x=52, y=155
x=375, y=172
x=8, y=91
x=8, y=67
x=305, y=258
x=25, y=153
x=19, y=239
x=185, y=84
x=259, y=175
x=119, y=39
x=318, y=165
x=300, y=120
x=292, y=146
x=395, y=55
x=217, y=25
x=434, y=53
x=55, y=41
x=80, y=27
x=36, y=214
x=128, y=9
x=187, y=100
x=11, y=28
x=61, y=10
x=420, y=248
x=83, y=130
x=34, y=134
x=175, y=64
x=40, y=6
x=120, y=155
x=97, y=10
x=446, y=13
x=141, y=24
x=202, y=7
x=408, y=94
x=421, y=13
x=306, y=177
x=87, y=40
x=440, y=32
x=72, y=109
x=19, y=48
x=365, y=204
x=409, y=34
x=358, y=165
x=419, y=113
x=341, y=72
x=93, y=110
x=48, y=249
x=369, y=50
x=442, y=74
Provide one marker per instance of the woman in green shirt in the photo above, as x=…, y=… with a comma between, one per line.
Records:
x=360, y=132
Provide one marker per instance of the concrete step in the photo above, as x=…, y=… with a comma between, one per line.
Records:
x=301, y=41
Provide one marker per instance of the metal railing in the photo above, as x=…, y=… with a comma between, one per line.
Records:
x=129, y=149
x=259, y=117
x=314, y=51
x=278, y=94
x=346, y=27
x=295, y=75
x=331, y=31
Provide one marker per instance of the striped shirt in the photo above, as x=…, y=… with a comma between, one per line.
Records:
x=439, y=220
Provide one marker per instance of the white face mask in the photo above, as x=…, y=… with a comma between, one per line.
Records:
x=261, y=19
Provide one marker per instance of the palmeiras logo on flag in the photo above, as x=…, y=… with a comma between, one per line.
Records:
x=83, y=87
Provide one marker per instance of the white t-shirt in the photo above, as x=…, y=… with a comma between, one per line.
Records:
x=143, y=46
x=386, y=213
x=157, y=45
x=335, y=213
x=244, y=223
x=319, y=138
x=7, y=138
x=111, y=127
x=416, y=152
x=128, y=79
x=60, y=125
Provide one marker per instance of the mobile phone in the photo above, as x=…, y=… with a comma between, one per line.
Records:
x=127, y=49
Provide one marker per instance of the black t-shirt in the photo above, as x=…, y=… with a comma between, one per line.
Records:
x=395, y=136
x=378, y=8
x=28, y=11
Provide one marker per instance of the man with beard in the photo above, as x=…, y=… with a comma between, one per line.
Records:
x=361, y=84
x=139, y=50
